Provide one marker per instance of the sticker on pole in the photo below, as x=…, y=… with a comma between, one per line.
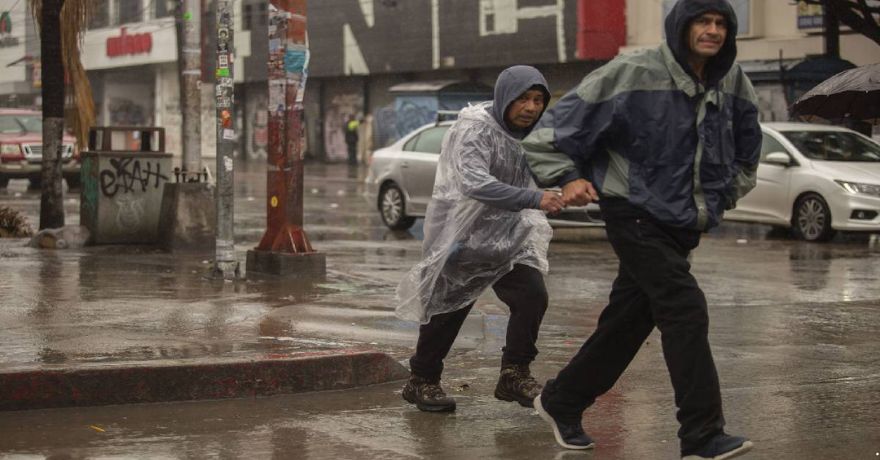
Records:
x=294, y=61
x=274, y=202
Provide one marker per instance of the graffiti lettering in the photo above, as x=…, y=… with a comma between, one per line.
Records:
x=126, y=173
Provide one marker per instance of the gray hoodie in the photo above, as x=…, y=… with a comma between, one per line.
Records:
x=511, y=83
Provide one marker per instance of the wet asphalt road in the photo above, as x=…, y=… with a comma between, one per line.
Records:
x=793, y=328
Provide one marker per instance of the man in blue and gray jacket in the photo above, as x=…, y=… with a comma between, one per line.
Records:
x=665, y=140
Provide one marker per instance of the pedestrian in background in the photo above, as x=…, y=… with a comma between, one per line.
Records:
x=668, y=139
x=484, y=227
x=351, y=139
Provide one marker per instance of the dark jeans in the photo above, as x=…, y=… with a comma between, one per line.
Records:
x=352, y=153
x=654, y=287
x=522, y=290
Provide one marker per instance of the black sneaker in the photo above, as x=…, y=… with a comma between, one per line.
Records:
x=428, y=396
x=517, y=384
x=570, y=436
x=721, y=447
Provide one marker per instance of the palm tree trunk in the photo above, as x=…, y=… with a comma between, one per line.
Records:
x=52, y=197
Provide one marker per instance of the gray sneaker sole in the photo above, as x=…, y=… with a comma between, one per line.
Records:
x=745, y=447
x=547, y=418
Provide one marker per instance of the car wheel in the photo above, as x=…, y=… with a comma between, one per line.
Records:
x=392, y=208
x=73, y=181
x=4, y=181
x=35, y=181
x=812, y=219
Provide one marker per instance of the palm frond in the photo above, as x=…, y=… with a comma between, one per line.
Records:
x=75, y=15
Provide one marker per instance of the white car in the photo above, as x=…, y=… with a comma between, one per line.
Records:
x=400, y=181
x=815, y=180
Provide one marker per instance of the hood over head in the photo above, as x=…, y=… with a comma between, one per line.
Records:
x=511, y=83
x=677, y=25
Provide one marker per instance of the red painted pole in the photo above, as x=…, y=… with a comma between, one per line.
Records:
x=288, y=63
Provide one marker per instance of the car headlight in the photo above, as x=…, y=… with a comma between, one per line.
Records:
x=857, y=187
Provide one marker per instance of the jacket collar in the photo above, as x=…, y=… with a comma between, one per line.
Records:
x=683, y=81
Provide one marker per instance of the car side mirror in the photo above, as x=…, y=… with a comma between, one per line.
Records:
x=778, y=158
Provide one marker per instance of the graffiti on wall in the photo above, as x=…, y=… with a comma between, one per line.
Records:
x=129, y=189
x=257, y=125
x=336, y=116
x=414, y=111
x=366, y=36
x=127, y=175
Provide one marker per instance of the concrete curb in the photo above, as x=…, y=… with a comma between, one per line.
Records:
x=178, y=382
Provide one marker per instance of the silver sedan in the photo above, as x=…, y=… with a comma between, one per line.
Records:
x=401, y=178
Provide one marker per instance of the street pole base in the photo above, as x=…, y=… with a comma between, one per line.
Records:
x=228, y=270
x=187, y=220
x=311, y=265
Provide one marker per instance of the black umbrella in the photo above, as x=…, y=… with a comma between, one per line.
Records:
x=852, y=94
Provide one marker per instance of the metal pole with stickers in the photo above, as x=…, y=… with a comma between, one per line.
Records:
x=225, y=265
x=285, y=248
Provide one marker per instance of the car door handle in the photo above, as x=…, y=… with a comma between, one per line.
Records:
x=404, y=165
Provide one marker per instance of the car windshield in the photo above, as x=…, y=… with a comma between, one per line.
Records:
x=20, y=123
x=834, y=145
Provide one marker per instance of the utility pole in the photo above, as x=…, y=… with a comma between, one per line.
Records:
x=225, y=265
x=52, y=193
x=832, y=32
x=285, y=249
x=189, y=54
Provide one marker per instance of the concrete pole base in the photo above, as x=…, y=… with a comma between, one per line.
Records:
x=188, y=217
x=310, y=265
x=227, y=270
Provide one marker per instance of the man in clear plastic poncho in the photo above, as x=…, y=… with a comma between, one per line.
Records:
x=484, y=227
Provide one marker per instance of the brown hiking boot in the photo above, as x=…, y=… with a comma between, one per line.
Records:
x=517, y=384
x=427, y=396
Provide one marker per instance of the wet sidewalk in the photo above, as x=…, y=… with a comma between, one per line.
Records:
x=120, y=324
x=793, y=331
x=75, y=320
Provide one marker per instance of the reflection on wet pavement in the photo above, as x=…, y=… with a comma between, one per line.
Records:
x=793, y=328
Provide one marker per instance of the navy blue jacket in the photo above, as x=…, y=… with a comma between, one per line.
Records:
x=645, y=129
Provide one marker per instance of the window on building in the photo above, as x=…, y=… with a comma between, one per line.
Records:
x=129, y=11
x=253, y=15
x=247, y=11
x=163, y=8
x=263, y=18
x=100, y=15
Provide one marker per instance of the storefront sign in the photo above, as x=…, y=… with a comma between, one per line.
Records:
x=809, y=16
x=6, y=38
x=129, y=44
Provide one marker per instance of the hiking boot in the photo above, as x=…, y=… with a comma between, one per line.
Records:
x=568, y=435
x=517, y=384
x=427, y=395
x=721, y=447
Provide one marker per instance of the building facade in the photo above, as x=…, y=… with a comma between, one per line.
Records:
x=360, y=49
x=19, y=56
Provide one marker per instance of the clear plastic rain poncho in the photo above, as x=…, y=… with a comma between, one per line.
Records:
x=469, y=245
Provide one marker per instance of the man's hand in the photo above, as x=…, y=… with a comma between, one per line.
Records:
x=551, y=202
x=579, y=192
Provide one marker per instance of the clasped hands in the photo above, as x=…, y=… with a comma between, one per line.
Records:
x=578, y=192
